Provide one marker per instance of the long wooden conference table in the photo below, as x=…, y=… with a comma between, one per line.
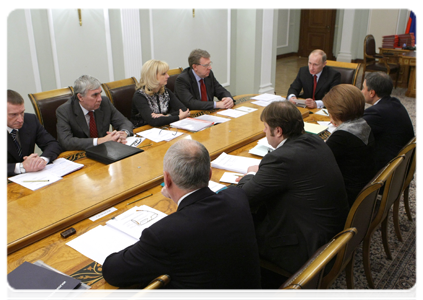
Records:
x=36, y=218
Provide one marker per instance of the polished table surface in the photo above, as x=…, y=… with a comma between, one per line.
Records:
x=42, y=214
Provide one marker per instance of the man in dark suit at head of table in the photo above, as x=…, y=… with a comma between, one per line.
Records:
x=391, y=125
x=196, y=86
x=314, y=80
x=208, y=243
x=24, y=131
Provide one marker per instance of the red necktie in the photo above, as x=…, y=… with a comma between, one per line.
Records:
x=203, y=90
x=93, y=126
x=314, y=86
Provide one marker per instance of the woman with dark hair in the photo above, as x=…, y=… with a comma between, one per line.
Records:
x=152, y=102
x=352, y=142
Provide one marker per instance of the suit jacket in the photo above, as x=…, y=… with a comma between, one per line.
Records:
x=208, y=243
x=186, y=89
x=31, y=133
x=300, y=188
x=304, y=81
x=391, y=126
x=73, y=132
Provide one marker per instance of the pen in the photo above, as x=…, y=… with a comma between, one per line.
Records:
x=325, y=112
x=36, y=180
x=145, y=145
x=139, y=199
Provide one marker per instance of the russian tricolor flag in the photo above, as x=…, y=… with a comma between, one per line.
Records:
x=411, y=25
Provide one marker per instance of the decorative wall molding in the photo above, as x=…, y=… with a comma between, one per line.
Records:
x=54, y=48
x=33, y=51
x=266, y=52
x=131, y=33
x=108, y=44
x=288, y=25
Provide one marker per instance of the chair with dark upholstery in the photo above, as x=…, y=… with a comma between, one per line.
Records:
x=149, y=292
x=349, y=71
x=359, y=217
x=173, y=74
x=45, y=105
x=391, y=193
x=408, y=179
x=120, y=93
x=376, y=62
x=310, y=274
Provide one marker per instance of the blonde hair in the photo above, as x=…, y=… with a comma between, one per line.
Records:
x=149, y=72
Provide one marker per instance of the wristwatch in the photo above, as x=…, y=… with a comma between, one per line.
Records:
x=127, y=132
x=21, y=168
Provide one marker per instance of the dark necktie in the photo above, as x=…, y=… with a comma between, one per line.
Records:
x=13, y=133
x=203, y=90
x=93, y=126
x=314, y=86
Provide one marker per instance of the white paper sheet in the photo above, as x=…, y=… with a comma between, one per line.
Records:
x=234, y=163
x=230, y=177
x=158, y=135
x=232, y=113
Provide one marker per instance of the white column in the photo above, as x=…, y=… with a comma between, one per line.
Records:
x=131, y=33
x=346, y=36
x=266, y=53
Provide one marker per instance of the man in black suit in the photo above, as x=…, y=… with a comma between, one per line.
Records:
x=208, y=243
x=84, y=120
x=297, y=191
x=196, y=86
x=315, y=80
x=388, y=118
x=24, y=131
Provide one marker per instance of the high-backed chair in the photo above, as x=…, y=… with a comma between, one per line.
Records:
x=45, y=105
x=391, y=193
x=310, y=274
x=360, y=217
x=349, y=71
x=149, y=292
x=375, y=62
x=408, y=179
x=120, y=93
x=173, y=74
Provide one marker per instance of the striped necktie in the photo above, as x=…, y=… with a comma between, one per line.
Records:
x=14, y=133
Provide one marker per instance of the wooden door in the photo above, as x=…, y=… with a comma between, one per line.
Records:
x=317, y=31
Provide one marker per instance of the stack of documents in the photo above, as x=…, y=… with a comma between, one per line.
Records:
x=118, y=233
x=314, y=128
x=266, y=99
x=262, y=148
x=191, y=124
x=234, y=163
x=329, y=125
x=234, y=113
x=51, y=173
x=158, y=135
x=214, y=119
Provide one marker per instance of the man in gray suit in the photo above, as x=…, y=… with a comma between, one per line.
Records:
x=84, y=120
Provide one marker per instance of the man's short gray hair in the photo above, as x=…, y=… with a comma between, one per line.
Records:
x=85, y=83
x=196, y=55
x=188, y=164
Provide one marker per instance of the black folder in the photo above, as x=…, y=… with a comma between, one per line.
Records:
x=30, y=276
x=110, y=152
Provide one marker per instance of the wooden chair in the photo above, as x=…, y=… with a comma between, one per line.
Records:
x=391, y=193
x=173, y=74
x=376, y=62
x=45, y=105
x=408, y=179
x=349, y=71
x=149, y=292
x=310, y=274
x=359, y=217
x=120, y=93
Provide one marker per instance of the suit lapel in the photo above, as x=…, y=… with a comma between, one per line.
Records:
x=25, y=135
x=322, y=79
x=80, y=118
x=194, y=84
x=11, y=148
x=209, y=88
x=99, y=116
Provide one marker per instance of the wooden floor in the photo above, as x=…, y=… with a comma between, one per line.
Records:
x=286, y=71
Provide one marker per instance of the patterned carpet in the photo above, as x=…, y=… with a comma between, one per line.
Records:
x=400, y=272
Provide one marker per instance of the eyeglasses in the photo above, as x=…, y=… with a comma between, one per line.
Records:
x=207, y=65
x=145, y=217
x=164, y=128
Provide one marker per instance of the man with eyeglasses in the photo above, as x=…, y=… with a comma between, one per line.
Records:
x=314, y=80
x=208, y=243
x=196, y=86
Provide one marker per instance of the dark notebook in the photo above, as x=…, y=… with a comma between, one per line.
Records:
x=30, y=276
x=109, y=152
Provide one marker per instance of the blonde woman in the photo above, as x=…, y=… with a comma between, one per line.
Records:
x=152, y=102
